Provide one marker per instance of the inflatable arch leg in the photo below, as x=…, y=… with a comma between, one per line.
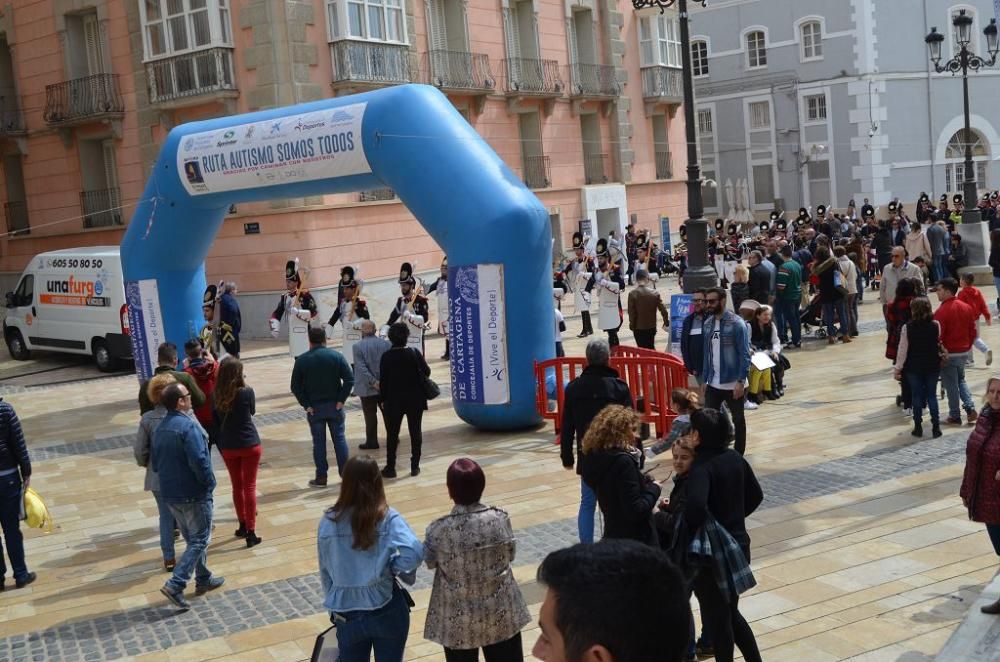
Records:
x=494, y=230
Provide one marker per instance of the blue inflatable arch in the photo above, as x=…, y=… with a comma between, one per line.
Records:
x=493, y=229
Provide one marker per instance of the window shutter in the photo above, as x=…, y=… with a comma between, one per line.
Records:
x=437, y=35
x=574, y=52
x=94, y=47
x=510, y=26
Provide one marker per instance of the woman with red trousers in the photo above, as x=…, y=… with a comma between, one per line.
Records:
x=239, y=443
x=981, y=482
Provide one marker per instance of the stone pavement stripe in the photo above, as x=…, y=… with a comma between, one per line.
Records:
x=150, y=629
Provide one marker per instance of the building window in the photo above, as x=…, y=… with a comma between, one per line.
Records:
x=705, y=123
x=172, y=27
x=699, y=58
x=756, y=50
x=760, y=115
x=811, y=37
x=819, y=182
x=954, y=153
x=659, y=41
x=815, y=107
x=763, y=184
x=372, y=20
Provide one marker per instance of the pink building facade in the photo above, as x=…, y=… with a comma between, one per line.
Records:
x=580, y=98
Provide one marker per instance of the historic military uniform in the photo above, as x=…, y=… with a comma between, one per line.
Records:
x=578, y=272
x=411, y=308
x=609, y=282
x=440, y=287
x=300, y=307
x=351, y=310
x=644, y=260
x=216, y=336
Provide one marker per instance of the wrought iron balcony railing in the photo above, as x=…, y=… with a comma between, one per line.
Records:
x=376, y=195
x=536, y=172
x=532, y=77
x=101, y=208
x=459, y=70
x=664, y=165
x=190, y=75
x=83, y=99
x=16, y=213
x=595, y=168
x=594, y=80
x=662, y=83
x=372, y=63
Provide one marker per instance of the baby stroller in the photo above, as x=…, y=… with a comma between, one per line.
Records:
x=812, y=316
x=874, y=273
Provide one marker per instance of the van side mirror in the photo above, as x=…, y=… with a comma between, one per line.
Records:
x=10, y=300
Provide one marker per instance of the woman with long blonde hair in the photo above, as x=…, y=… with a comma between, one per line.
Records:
x=364, y=546
x=611, y=466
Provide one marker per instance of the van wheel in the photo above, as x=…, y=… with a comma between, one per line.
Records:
x=15, y=345
x=102, y=356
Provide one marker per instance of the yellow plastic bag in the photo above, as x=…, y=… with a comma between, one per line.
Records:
x=36, y=512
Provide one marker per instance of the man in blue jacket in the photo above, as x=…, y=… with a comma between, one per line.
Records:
x=692, y=344
x=181, y=460
x=726, y=361
x=15, y=476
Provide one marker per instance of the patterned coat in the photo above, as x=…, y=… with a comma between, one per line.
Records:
x=475, y=601
x=980, y=490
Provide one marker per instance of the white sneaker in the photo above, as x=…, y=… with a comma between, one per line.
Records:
x=907, y=413
x=749, y=405
x=989, y=357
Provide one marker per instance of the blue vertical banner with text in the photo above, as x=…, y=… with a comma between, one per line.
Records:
x=145, y=323
x=680, y=307
x=665, y=244
x=477, y=328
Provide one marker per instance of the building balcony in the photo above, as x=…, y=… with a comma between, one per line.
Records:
x=662, y=84
x=101, y=208
x=537, y=173
x=16, y=214
x=664, y=165
x=459, y=71
x=367, y=64
x=594, y=81
x=83, y=100
x=595, y=168
x=377, y=195
x=529, y=77
x=191, y=78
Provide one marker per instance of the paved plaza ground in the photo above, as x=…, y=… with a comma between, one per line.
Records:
x=862, y=549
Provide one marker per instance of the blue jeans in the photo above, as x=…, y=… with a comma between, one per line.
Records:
x=166, y=527
x=383, y=629
x=326, y=415
x=861, y=291
x=787, y=312
x=585, y=519
x=923, y=393
x=194, y=519
x=953, y=380
x=938, y=267
x=841, y=309
x=10, y=510
x=994, y=532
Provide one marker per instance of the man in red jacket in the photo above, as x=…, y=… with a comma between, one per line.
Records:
x=958, y=333
x=199, y=363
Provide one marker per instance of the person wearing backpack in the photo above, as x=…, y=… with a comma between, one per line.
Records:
x=832, y=294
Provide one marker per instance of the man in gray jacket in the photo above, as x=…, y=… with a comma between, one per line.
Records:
x=937, y=237
x=367, y=357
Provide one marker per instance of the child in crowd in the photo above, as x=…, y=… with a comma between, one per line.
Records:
x=665, y=519
x=560, y=325
x=971, y=296
x=684, y=402
x=739, y=291
x=925, y=273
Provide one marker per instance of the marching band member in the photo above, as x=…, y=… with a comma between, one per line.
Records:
x=644, y=260
x=609, y=283
x=351, y=312
x=440, y=287
x=216, y=334
x=411, y=307
x=301, y=308
x=579, y=272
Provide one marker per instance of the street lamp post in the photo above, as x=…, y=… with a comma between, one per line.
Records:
x=963, y=61
x=699, y=273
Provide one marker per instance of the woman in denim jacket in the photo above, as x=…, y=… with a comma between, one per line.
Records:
x=475, y=602
x=364, y=546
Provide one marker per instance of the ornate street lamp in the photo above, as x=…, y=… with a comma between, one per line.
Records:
x=963, y=61
x=699, y=273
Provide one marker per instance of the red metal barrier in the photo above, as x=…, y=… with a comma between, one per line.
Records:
x=650, y=375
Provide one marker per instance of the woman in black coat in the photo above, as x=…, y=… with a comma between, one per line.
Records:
x=401, y=384
x=722, y=486
x=610, y=465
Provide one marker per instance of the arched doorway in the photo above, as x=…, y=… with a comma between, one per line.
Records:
x=954, y=155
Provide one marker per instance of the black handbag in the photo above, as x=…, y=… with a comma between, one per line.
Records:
x=325, y=649
x=430, y=388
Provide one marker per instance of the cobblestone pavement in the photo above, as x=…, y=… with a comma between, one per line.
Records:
x=149, y=629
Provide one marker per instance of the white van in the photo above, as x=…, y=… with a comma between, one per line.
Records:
x=71, y=301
